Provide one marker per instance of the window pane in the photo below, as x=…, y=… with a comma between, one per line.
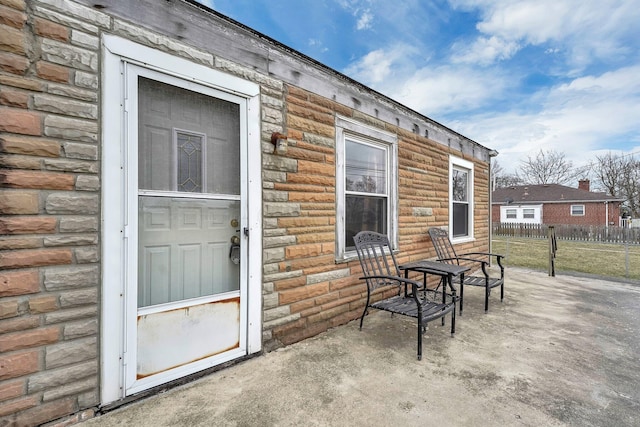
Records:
x=184, y=249
x=459, y=185
x=365, y=168
x=528, y=213
x=364, y=213
x=460, y=219
x=511, y=213
x=166, y=116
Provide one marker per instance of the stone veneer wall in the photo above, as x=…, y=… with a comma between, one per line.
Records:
x=306, y=291
x=50, y=206
x=50, y=200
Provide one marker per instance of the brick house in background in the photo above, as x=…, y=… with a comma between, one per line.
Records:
x=151, y=231
x=554, y=204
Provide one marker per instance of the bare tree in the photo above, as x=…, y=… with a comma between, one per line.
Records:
x=619, y=176
x=606, y=169
x=509, y=180
x=550, y=167
x=630, y=187
x=496, y=170
x=500, y=178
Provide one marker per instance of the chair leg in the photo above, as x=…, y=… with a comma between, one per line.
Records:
x=486, y=297
x=461, y=297
x=420, y=337
x=453, y=319
x=444, y=293
x=502, y=291
x=363, y=314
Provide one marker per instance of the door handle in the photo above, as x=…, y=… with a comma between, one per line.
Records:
x=234, y=254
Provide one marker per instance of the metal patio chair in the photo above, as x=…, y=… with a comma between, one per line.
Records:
x=446, y=253
x=410, y=297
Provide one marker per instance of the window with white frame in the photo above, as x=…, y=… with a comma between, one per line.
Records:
x=529, y=214
x=460, y=199
x=365, y=183
x=577, y=210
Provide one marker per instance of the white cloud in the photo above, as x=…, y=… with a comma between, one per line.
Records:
x=318, y=45
x=441, y=90
x=580, y=118
x=432, y=89
x=365, y=20
x=484, y=51
x=381, y=65
x=586, y=29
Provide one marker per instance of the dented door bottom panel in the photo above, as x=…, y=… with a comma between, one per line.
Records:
x=170, y=339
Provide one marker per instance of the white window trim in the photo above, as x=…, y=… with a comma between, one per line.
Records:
x=346, y=127
x=577, y=214
x=115, y=52
x=458, y=163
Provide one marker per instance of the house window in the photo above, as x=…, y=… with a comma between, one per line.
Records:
x=365, y=183
x=532, y=214
x=460, y=199
x=577, y=210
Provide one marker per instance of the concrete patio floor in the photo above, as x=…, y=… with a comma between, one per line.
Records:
x=558, y=351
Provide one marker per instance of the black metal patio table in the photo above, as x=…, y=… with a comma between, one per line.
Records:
x=442, y=269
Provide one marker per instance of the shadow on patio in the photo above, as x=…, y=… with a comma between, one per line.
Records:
x=557, y=351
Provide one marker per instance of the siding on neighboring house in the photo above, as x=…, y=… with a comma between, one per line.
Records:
x=560, y=213
x=51, y=209
x=556, y=201
x=594, y=213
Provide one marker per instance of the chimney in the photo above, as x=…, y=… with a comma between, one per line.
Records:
x=583, y=184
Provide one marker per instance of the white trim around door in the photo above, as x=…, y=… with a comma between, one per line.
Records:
x=119, y=230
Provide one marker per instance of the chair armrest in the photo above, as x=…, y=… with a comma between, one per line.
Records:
x=483, y=263
x=499, y=258
x=463, y=259
x=483, y=253
x=415, y=285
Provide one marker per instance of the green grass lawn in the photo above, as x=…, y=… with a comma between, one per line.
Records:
x=583, y=257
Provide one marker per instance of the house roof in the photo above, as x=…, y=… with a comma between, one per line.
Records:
x=194, y=23
x=547, y=193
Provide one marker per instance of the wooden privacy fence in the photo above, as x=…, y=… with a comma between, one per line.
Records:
x=587, y=233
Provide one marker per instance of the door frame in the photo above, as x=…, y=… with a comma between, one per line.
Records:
x=116, y=52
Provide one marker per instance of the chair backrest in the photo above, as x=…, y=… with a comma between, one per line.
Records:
x=442, y=244
x=376, y=258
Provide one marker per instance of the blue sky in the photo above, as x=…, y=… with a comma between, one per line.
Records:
x=514, y=75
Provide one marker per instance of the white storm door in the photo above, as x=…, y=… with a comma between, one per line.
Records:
x=186, y=212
